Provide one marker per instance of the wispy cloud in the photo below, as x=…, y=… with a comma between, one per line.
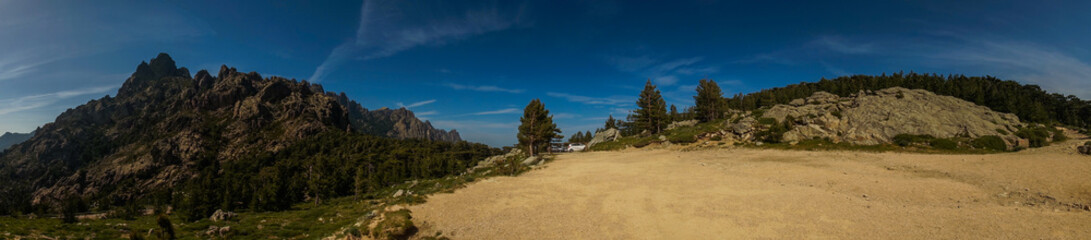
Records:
x=496, y=112
x=41, y=100
x=841, y=45
x=663, y=73
x=484, y=88
x=565, y=116
x=614, y=101
x=428, y=113
x=387, y=27
x=416, y=104
x=474, y=124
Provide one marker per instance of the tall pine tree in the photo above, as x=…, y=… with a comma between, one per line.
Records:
x=611, y=123
x=709, y=102
x=651, y=113
x=537, y=128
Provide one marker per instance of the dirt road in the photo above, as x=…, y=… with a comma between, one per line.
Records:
x=748, y=193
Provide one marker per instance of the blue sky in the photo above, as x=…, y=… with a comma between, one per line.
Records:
x=473, y=66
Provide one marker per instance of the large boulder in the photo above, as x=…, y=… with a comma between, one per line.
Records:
x=869, y=118
x=608, y=135
x=1084, y=149
x=221, y=215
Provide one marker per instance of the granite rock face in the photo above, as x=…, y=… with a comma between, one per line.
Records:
x=868, y=118
x=608, y=135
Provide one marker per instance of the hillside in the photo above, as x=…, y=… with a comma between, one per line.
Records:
x=1028, y=102
x=10, y=138
x=164, y=126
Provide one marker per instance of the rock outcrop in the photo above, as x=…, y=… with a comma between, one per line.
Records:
x=1084, y=149
x=163, y=124
x=869, y=118
x=608, y=135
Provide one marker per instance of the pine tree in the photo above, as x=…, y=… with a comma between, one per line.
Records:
x=651, y=114
x=674, y=117
x=588, y=136
x=537, y=128
x=611, y=122
x=709, y=102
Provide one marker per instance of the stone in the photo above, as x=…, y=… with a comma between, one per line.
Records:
x=399, y=193
x=875, y=117
x=678, y=124
x=1085, y=149
x=608, y=135
x=531, y=161
x=221, y=215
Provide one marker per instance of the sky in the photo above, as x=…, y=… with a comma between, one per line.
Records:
x=474, y=65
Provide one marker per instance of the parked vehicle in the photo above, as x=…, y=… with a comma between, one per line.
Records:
x=576, y=147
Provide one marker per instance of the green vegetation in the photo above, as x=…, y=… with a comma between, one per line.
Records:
x=1029, y=102
x=325, y=166
x=994, y=143
x=689, y=134
x=1041, y=136
x=774, y=131
x=651, y=113
x=621, y=143
x=305, y=220
x=709, y=104
x=537, y=128
x=581, y=137
x=943, y=143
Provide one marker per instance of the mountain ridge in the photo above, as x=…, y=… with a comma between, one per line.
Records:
x=162, y=123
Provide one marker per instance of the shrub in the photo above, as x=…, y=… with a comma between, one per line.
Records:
x=990, y=142
x=909, y=139
x=1037, y=136
x=836, y=113
x=1001, y=131
x=166, y=229
x=1058, y=135
x=942, y=143
x=395, y=225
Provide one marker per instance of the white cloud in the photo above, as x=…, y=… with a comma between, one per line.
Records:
x=663, y=73
x=496, y=112
x=41, y=100
x=416, y=104
x=616, y=100
x=428, y=113
x=485, y=88
x=387, y=27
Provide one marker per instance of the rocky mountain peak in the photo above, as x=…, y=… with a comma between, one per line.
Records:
x=162, y=123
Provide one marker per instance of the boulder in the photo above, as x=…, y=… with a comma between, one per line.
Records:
x=531, y=161
x=221, y=215
x=399, y=193
x=678, y=124
x=875, y=117
x=608, y=135
x=1085, y=149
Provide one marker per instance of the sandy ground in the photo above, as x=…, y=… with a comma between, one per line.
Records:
x=775, y=194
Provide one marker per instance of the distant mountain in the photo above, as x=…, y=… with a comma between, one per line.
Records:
x=163, y=122
x=9, y=139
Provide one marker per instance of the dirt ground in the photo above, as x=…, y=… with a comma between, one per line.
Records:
x=776, y=194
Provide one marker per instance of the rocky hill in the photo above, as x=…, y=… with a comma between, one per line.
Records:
x=875, y=117
x=10, y=138
x=163, y=123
